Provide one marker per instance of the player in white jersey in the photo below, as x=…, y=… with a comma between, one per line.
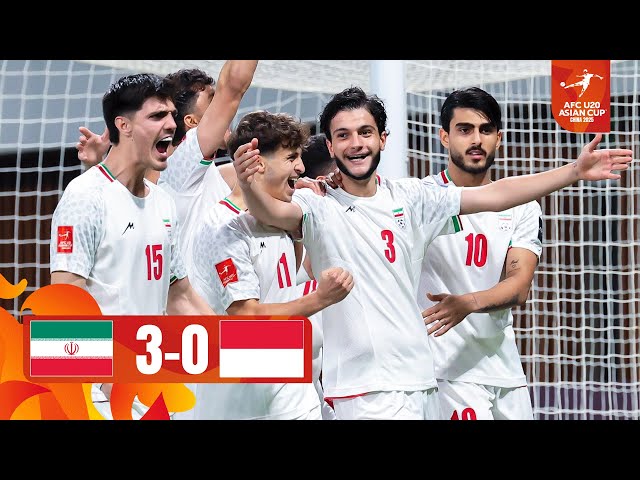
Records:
x=204, y=117
x=477, y=275
x=246, y=268
x=113, y=232
x=205, y=111
x=377, y=361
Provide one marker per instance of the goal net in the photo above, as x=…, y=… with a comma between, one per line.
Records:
x=578, y=334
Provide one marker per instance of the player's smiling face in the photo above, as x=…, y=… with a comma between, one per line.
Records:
x=472, y=141
x=356, y=143
x=282, y=168
x=153, y=127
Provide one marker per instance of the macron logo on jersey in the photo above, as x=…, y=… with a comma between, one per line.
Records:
x=227, y=272
x=129, y=226
x=65, y=239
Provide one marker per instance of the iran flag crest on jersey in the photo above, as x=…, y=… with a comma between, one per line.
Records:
x=398, y=214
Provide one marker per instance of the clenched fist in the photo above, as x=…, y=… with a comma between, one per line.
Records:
x=334, y=284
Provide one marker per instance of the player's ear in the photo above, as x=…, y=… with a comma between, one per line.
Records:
x=444, y=138
x=262, y=164
x=190, y=121
x=330, y=148
x=383, y=139
x=499, y=140
x=124, y=125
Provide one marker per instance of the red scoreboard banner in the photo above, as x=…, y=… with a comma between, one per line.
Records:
x=167, y=349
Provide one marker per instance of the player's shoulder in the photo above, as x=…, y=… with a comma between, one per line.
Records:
x=186, y=145
x=408, y=188
x=89, y=186
x=222, y=221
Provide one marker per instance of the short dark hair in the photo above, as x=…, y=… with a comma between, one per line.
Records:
x=186, y=84
x=474, y=98
x=127, y=95
x=316, y=157
x=273, y=130
x=353, y=98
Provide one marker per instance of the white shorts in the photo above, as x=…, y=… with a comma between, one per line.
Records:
x=394, y=405
x=472, y=401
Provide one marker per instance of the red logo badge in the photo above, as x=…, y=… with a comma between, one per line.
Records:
x=580, y=95
x=227, y=272
x=65, y=239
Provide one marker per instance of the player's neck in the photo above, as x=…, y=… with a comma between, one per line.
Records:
x=236, y=197
x=461, y=178
x=129, y=174
x=360, y=188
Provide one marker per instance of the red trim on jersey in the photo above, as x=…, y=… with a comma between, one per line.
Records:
x=330, y=400
x=101, y=168
x=444, y=177
x=227, y=203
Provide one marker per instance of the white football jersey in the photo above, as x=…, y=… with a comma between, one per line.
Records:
x=241, y=259
x=195, y=184
x=375, y=339
x=305, y=288
x=480, y=349
x=126, y=247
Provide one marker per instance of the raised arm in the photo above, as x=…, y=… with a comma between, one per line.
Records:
x=513, y=290
x=233, y=82
x=268, y=210
x=591, y=164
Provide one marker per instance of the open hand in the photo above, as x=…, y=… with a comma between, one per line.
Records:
x=600, y=164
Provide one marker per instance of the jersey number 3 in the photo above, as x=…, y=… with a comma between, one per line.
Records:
x=390, y=251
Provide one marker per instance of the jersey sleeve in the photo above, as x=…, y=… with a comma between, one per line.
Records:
x=178, y=269
x=528, y=229
x=77, y=228
x=440, y=204
x=186, y=166
x=224, y=270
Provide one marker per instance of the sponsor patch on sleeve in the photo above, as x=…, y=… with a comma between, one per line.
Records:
x=65, y=239
x=227, y=272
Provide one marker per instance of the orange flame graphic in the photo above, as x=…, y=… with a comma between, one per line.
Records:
x=22, y=399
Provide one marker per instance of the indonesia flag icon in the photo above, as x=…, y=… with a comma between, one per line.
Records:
x=271, y=350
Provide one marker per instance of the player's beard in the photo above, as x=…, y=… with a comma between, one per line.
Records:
x=458, y=161
x=364, y=176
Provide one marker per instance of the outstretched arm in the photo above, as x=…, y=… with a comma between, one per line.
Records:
x=234, y=80
x=450, y=310
x=506, y=193
x=268, y=210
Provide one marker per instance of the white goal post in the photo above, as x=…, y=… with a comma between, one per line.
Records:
x=578, y=335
